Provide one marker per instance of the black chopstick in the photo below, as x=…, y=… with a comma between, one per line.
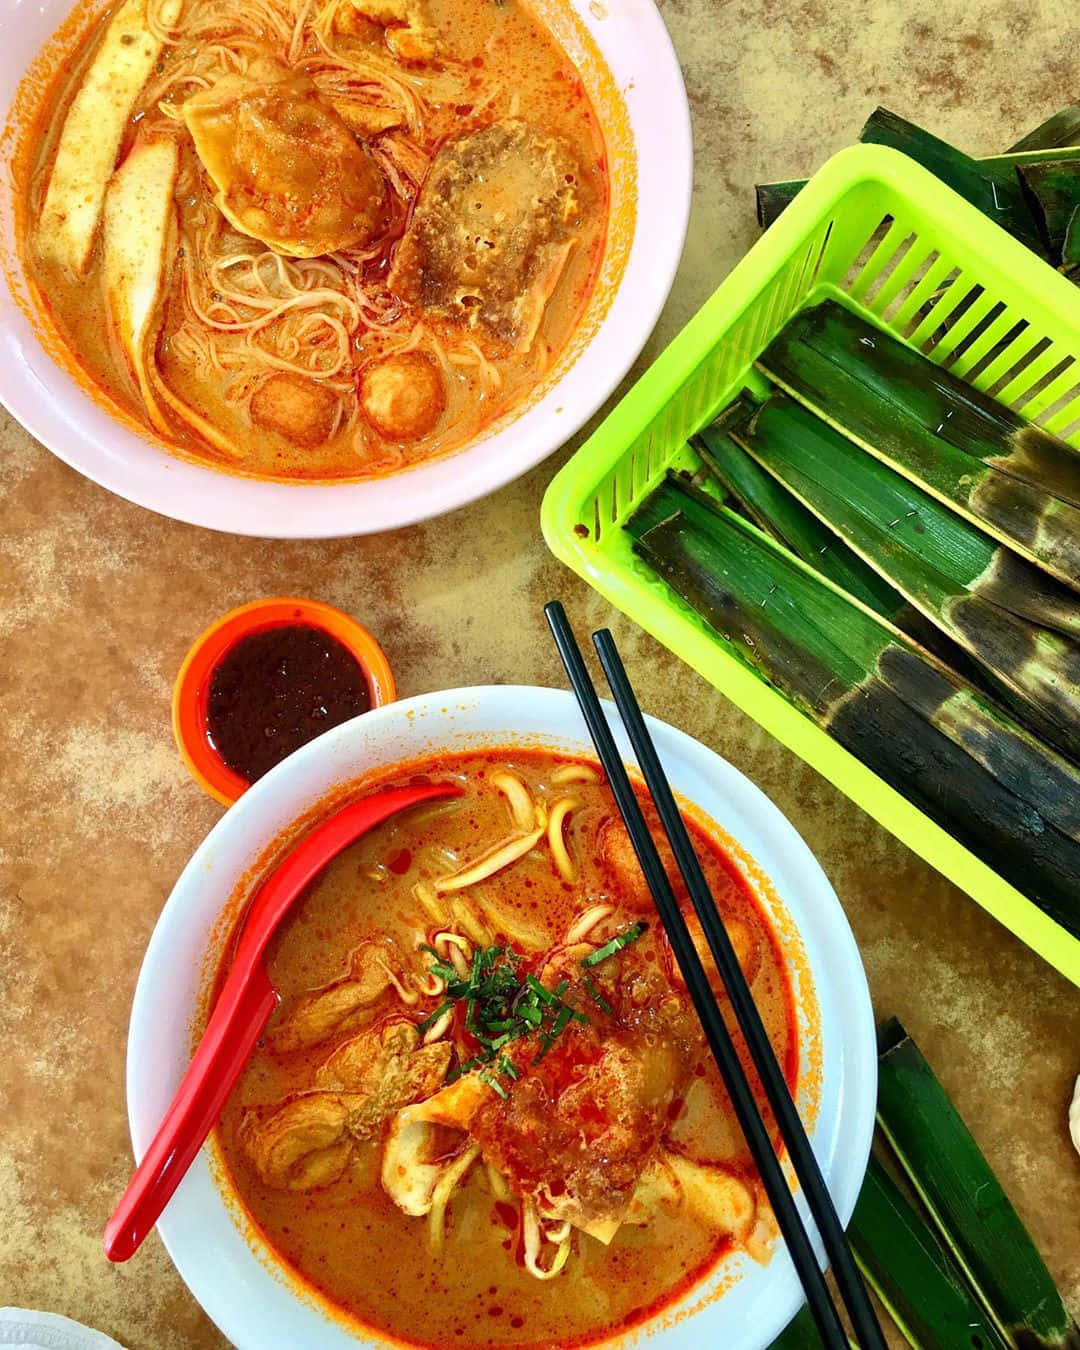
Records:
x=697, y=983
x=848, y=1280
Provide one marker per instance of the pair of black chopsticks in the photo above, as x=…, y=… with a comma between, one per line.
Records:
x=852, y=1290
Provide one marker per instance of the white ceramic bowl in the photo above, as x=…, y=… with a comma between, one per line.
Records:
x=637, y=69
x=242, y=1288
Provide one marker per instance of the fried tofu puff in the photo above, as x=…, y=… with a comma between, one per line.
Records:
x=494, y=225
x=403, y=396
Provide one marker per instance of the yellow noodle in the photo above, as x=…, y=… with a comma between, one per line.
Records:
x=470, y=925
x=436, y=909
x=296, y=42
x=494, y=860
x=559, y=811
x=533, y=1240
x=517, y=796
x=454, y=948
x=576, y=773
x=432, y=985
x=161, y=31
x=584, y=925
x=408, y=996
x=450, y=1180
x=500, y=1187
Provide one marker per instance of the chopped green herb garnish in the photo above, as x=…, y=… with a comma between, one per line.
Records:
x=596, y=996
x=617, y=943
x=465, y=1066
x=501, y=1006
x=434, y=1017
x=543, y=994
x=495, y=1085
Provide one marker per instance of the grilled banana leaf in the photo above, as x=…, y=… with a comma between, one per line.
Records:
x=963, y=1196
x=997, y=192
x=1055, y=184
x=919, y=726
x=1061, y=129
x=773, y=509
x=1013, y=480
x=1015, y=621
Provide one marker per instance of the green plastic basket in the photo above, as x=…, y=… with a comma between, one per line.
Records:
x=876, y=230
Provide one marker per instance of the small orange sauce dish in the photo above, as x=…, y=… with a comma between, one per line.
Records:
x=243, y=658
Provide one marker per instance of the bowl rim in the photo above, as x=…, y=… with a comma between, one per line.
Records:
x=841, y=1133
x=214, y=643
x=49, y=404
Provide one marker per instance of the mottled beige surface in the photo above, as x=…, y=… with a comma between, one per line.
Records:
x=100, y=600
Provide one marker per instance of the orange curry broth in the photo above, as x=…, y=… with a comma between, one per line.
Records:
x=348, y=1245
x=522, y=62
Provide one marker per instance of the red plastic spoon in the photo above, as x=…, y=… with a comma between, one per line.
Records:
x=241, y=1012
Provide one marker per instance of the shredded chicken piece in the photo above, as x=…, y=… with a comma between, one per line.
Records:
x=389, y=1068
x=367, y=120
x=337, y=1008
x=406, y=25
x=305, y=1144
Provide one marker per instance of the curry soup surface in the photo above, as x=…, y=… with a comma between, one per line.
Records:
x=348, y=1239
x=463, y=172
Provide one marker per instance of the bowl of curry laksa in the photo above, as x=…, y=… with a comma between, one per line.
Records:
x=483, y=1112
x=333, y=242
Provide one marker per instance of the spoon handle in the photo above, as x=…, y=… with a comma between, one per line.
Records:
x=243, y=1007
x=234, y=1027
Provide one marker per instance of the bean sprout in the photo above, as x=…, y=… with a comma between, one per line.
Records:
x=494, y=860
x=450, y=1180
x=439, y=1027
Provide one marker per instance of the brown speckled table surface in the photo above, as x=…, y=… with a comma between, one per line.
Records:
x=100, y=600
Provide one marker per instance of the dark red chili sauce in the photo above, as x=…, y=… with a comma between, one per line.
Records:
x=278, y=689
